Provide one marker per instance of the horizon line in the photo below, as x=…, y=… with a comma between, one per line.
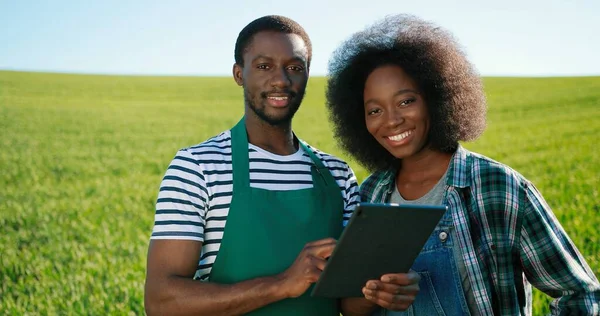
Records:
x=222, y=75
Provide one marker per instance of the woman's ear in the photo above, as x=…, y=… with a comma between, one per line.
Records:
x=237, y=74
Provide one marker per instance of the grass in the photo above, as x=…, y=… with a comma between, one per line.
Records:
x=82, y=157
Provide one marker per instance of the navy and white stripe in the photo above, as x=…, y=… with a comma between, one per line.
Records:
x=195, y=194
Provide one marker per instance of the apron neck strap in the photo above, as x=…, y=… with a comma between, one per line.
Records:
x=240, y=161
x=240, y=167
x=319, y=166
x=312, y=155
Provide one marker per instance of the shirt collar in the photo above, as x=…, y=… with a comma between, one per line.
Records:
x=460, y=165
x=457, y=175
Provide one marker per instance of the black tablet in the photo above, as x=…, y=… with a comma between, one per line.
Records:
x=379, y=239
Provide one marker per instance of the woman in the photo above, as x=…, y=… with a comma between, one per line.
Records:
x=401, y=95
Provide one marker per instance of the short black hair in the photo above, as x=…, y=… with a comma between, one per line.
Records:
x=450, y=85
x=274, y=23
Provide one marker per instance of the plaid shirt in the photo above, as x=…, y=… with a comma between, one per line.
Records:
x=509, y=238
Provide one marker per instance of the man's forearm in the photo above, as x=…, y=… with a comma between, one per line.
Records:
x=183, y=296
x=357, y=306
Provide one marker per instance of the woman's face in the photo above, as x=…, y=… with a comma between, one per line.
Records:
x=395, y=111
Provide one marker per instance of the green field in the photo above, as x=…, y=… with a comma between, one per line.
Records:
x=82, y=157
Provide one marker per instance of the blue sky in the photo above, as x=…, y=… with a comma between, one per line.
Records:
x=507, y=38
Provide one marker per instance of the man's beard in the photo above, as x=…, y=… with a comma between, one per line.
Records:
x=295, y=100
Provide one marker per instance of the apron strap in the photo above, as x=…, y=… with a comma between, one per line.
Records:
x=240, y=160
x=239, y=156
x=319, y=166
x=312, y=155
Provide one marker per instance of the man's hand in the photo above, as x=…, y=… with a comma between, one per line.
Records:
x=393, y=291
x=307, y=267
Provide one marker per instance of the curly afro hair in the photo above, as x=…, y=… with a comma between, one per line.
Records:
x=274, y=23
x=450, y=85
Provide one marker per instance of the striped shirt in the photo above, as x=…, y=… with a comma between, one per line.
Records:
x=509, y=239
x=196, y=191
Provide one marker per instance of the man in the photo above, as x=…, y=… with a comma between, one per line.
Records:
x=246, y=220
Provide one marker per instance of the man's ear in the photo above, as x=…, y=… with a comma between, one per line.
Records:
x=237, y=74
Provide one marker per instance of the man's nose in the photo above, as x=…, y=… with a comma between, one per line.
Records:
x=280, y=78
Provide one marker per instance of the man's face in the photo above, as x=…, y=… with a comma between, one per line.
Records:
x=274, y=75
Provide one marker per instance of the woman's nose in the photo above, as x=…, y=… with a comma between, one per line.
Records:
x=394, y=118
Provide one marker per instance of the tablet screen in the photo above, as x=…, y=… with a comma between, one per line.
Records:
x=379, y=239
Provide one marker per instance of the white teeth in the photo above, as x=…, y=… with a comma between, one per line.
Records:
x=278, y=98
x=400, y=137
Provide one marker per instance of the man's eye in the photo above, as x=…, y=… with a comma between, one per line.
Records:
x=296, y=68
x=262, y=66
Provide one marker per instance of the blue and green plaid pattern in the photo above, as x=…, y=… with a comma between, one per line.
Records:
x=509, y=238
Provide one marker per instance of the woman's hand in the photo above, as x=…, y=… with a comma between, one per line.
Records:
x=395, y=291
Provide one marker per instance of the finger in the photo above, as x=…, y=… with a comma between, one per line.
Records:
x=401, y=302
x=317, y=262
x=374, y=284
x=393, y=289
x=321, y=251
x=392, y=307
x=401, y=278
x=389, y=301
x=376, y=300
x=311, y=273
x=320, y=242
x=388, y=292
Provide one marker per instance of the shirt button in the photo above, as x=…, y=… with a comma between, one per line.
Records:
x=443, y=236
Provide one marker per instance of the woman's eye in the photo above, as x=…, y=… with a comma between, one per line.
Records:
x=406, y=102
x=375, y=111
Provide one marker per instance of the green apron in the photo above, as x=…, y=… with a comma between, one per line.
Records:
x=266, y=230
